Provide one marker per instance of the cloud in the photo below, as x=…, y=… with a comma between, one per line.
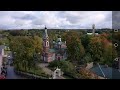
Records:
x=55, y=19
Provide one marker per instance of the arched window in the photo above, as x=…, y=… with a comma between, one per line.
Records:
x=47, y=43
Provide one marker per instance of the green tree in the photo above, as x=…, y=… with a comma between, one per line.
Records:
x=66, y=66
x=109, y=55
x=1, y=43
x=87, y=58
x=96, y=49
x=116, y=39
x=85, y=40
x=38, y=44
x=25, y=48
x=75, y=49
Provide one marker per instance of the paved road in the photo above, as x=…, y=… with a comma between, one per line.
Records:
x=10, y=70
x=11, y=74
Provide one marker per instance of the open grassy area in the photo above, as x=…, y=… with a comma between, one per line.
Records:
x=36, y=71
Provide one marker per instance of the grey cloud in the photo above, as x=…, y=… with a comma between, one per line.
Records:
x=26, y=17
x=40, y=21
x=55, y=19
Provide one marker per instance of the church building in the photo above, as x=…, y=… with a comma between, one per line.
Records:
x=58, y=52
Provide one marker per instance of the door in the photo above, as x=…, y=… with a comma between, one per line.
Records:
x=58, y=58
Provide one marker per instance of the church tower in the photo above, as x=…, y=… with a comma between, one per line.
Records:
x=93, y=27
x=45, y=41
x=59, y=42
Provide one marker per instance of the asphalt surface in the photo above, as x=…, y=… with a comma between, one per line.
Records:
x=11, y=74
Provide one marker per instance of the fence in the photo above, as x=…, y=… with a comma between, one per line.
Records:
x=29, y=75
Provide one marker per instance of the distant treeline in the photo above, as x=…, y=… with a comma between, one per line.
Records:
x=39, y=32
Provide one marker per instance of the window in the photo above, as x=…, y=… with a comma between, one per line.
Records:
x=47, y=43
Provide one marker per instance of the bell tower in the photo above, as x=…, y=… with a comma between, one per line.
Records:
x=93, y=27
x=45, y=41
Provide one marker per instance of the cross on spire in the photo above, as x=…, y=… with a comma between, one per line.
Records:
x=45, y=27
x=45, y=34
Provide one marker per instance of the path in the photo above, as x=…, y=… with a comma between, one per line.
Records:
x=47, y=70
x=11, y=74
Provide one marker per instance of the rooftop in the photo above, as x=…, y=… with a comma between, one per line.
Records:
x=109, y=72
x=52, y=50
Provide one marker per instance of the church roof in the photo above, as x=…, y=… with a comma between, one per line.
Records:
x=52, y=50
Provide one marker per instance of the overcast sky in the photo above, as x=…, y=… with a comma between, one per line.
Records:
x=55, y=19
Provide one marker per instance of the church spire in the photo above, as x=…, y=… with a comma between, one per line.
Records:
x=45, y=35
x=45, y=27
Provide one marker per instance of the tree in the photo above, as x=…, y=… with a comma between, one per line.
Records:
x=18, y=32
x=87, y=58
x=85, y=40
x=66, y=66
x=52, y=36
x=96, y=49
x=109, y=55
x=38, y=44
x=1, y=43
x=116, y=39
x=25, y=48
x=75, y=49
